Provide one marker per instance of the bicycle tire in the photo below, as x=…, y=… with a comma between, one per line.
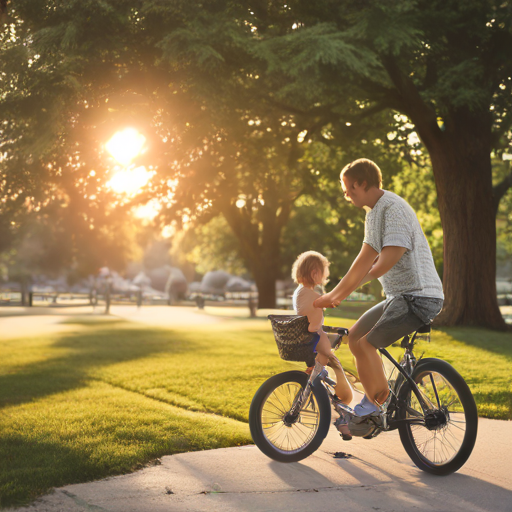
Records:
x=459, y=432
x=283, y=387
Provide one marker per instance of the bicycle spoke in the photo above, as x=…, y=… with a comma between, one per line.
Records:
x=442, y=443
x=297, y=435
x=268, y=412
x=449, y=443
x=460, y=428
x=280, y=402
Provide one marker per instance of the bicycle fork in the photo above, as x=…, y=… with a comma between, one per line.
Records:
x=302, y=397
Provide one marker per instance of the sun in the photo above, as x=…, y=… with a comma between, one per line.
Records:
x=125, y=145
x=130, y=181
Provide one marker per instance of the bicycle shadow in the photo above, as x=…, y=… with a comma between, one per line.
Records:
x=455, y=492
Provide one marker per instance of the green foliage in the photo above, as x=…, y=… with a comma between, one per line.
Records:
x=225, y=93
x=210, y=246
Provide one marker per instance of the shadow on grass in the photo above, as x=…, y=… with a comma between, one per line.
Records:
x=84, y=351
x=492, y=341
x=22, y=482
x=34, y=466
x=94, y=321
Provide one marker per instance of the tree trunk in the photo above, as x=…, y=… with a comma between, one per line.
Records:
x=266, y=283
x=260, y=247
x=265, y=264
x=462, y=169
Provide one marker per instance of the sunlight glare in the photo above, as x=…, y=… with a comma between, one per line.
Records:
x=149, y=210
x=168, y=231
x=125, y=145
x=130, y=181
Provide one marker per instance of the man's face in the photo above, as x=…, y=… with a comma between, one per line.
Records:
x=353, y=191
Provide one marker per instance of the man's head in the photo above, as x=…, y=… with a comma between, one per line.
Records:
x=358, y=178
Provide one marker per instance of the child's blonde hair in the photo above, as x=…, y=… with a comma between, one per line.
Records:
x=306, y=263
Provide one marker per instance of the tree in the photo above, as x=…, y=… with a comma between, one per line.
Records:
x=447, y=66
x=186, y=75
x=218, y=150
x=250, y=172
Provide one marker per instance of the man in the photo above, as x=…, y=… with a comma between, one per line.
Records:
x=396, y=252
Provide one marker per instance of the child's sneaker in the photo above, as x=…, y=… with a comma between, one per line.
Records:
x=365, y=407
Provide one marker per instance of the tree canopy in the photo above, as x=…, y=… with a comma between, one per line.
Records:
x=230, y=93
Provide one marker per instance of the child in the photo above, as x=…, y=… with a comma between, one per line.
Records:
x=309, y=270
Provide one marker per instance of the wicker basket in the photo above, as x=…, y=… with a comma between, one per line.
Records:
x=294, y=341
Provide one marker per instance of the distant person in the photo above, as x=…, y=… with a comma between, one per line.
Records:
x=309, y=270
x=396, y=252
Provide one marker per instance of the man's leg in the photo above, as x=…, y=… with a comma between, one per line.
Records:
x=343, y=389
x=397, y=320
x=371, y=370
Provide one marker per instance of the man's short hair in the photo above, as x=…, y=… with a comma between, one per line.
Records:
x=363, y=170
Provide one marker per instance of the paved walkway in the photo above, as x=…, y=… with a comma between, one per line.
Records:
x=18, y=322
x=23, y=321
x=377, y=475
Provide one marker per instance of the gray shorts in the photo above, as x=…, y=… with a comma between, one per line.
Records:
x=393, y=318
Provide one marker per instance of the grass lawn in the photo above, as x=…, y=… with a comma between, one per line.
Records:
x=110, y=396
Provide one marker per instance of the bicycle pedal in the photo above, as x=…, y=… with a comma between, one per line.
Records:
x=342, y=408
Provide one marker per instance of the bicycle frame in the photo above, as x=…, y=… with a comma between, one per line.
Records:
x=405, y=368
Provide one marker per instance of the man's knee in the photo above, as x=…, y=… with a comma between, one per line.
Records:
x=366, y=346
x=360, y=345
x=354, y=343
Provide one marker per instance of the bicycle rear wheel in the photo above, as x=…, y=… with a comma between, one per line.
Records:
x=442, y=440
x=277, y=435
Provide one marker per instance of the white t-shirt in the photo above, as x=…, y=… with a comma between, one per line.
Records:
x=392, y=222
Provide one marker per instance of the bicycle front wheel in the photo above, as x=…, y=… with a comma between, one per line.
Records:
x=442, y=440
x=274, y=432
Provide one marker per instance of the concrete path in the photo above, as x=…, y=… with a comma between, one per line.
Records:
x=17, y=322
x=376, y=475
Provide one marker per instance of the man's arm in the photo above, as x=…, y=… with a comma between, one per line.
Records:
x=359, y=269
x=389, y=257
x=361, y=272
x=367, y=278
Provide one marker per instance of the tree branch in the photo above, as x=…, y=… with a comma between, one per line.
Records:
x=422, y=115
x=431, y=74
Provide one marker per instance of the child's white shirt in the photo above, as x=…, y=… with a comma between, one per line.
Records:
x=303, y=299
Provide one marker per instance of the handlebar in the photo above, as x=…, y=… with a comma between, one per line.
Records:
x=335, y=330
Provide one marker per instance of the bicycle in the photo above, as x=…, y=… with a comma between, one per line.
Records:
x=429, y=403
